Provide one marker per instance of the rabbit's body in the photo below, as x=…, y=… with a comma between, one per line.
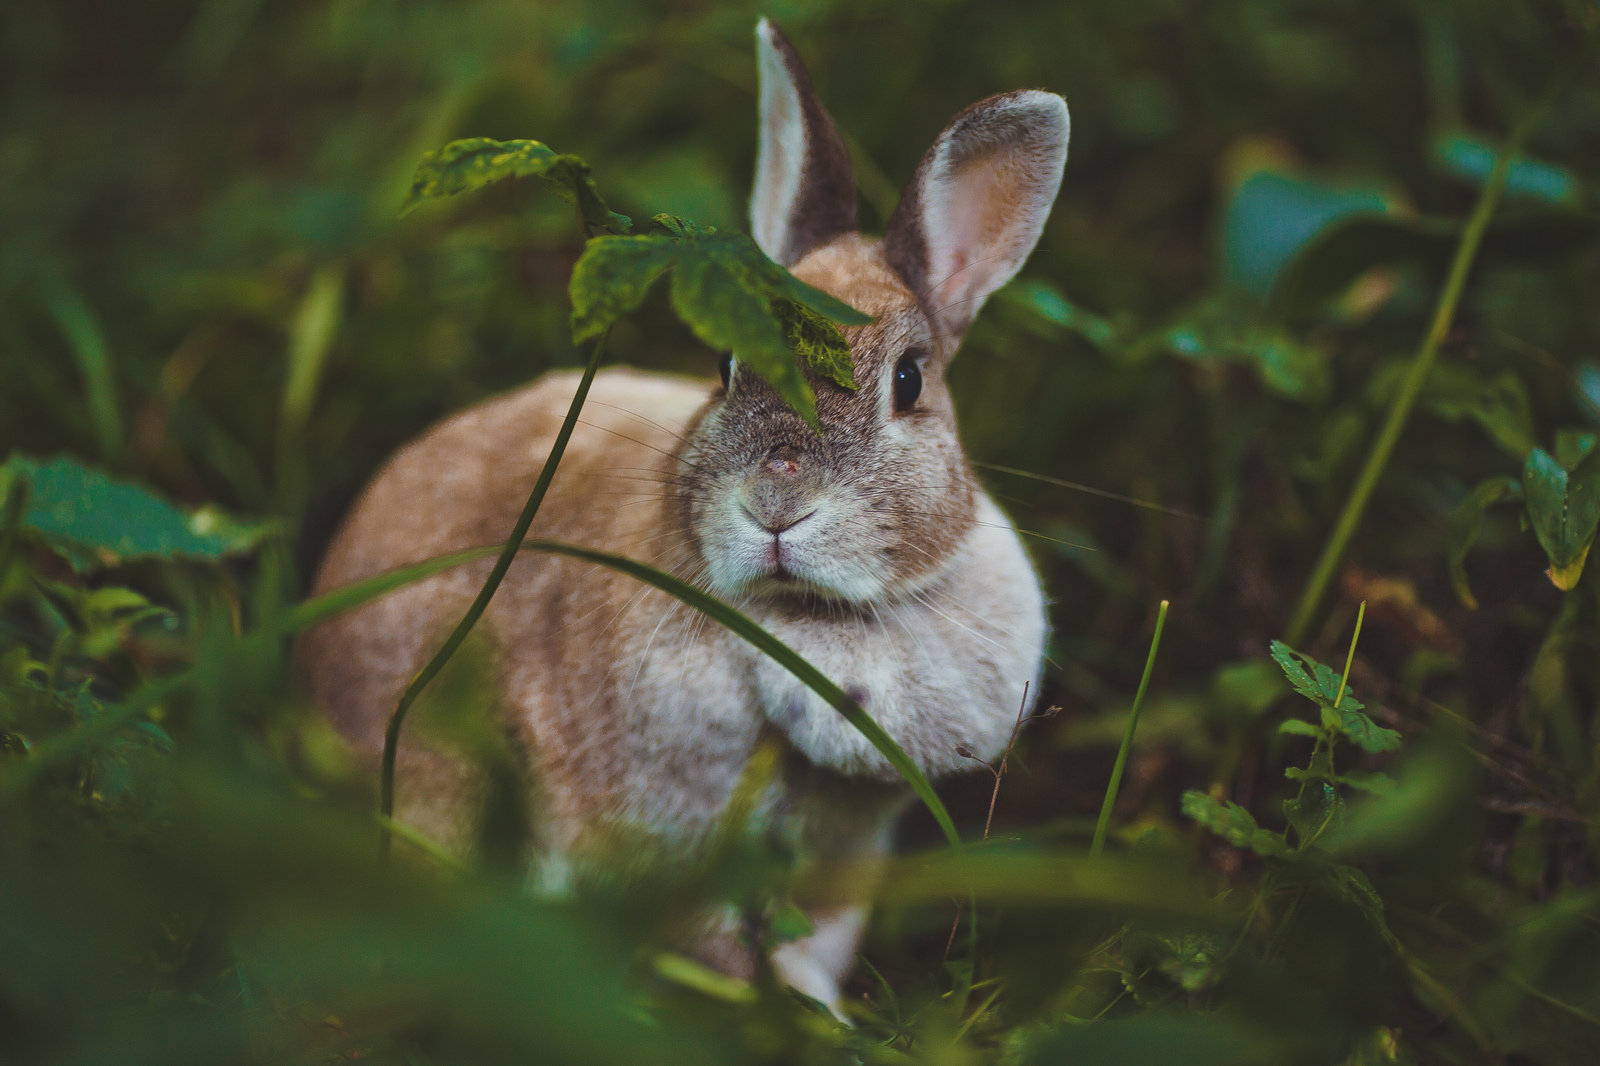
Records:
x=870, y=550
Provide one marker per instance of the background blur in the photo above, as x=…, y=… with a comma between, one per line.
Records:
x=200, y=196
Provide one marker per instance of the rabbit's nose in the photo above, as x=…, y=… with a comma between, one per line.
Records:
x=783, y=461
x=781, y=489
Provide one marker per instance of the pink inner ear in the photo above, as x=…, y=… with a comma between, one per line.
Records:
x=970, y=228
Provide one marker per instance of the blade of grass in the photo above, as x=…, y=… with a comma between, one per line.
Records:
x=77, y=324
x=311, y=337
x=1411, y=388
x=508, y=554
x=321, y=608
x=1127, y=737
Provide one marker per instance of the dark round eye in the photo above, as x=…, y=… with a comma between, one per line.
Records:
x=725, y=368
x=907, y=382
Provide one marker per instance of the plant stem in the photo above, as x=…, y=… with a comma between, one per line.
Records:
x=508, y=554
x=1127, y=737
x=1416, y=377
x=1350, y=657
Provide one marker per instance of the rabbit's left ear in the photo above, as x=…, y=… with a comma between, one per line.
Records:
x=805, y=193
x=978, y=202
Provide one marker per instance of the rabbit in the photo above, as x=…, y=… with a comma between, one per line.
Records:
x=870, y=549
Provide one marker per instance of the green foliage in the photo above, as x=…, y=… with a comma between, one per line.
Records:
x=462, y=166
x=94, y=522
x=1564, y=509
x=1342, y=714
x=206, y=293
x=1234, y=824
x=733, y=297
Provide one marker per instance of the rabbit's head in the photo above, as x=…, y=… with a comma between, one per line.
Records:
x=875, y=507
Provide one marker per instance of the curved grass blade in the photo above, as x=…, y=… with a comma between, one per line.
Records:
x=351, y=596
x=1127, y=737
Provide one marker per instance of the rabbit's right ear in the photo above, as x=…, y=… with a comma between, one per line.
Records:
x=978, y=202
x=805, y=192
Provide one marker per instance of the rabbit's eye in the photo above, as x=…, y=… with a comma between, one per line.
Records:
x=725, y=368
x=907, y=382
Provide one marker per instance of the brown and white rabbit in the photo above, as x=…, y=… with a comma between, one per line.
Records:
x=871, y=549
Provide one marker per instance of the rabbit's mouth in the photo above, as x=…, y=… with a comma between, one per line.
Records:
x=747, y=555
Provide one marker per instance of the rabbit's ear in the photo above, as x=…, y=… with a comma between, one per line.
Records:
x=805, y=192
x=978, y=202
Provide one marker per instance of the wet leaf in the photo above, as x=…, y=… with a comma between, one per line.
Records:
x=1564, y=509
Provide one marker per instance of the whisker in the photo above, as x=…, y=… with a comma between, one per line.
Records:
x=1091, y=490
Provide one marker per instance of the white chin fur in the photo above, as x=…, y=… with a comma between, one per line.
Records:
x=742, y=559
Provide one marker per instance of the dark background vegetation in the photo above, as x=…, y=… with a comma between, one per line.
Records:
x=196, y=192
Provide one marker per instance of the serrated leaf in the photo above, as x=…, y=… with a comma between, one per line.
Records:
x=818, y=342
x=1366, y=734
x=730, y=294
x=1466, y=522
x=612, y=277
x=1285, y=657
x=465, y=165
x=1564, y=509
x=1234, y=824
x=727, y=316
x=95, y=522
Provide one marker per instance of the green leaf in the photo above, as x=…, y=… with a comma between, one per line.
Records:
x=1303, y=683
x=1341, y=251
x=465, y=165
x=1466, y=521
x=1454, y=392
x=1045, y=303
x=1229, y=329
x=1565, y=509
x=94, y=522
x=730, y=294
x=818, y=342
x=1234, y=824
x=1315, y=814
x=1298, y=727
x=612, y=277
x=1573, y=446
x=1341, y=711
x=1378, y=784
x=1366, y=734
x=726, y=315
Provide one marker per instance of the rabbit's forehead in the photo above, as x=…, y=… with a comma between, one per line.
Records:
x=852, y=268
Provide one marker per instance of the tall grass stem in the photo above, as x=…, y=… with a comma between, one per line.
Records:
x=1104, y=823
x=1411, y=388
x=508, y=554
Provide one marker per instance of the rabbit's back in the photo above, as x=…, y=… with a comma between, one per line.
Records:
x=555, y=621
